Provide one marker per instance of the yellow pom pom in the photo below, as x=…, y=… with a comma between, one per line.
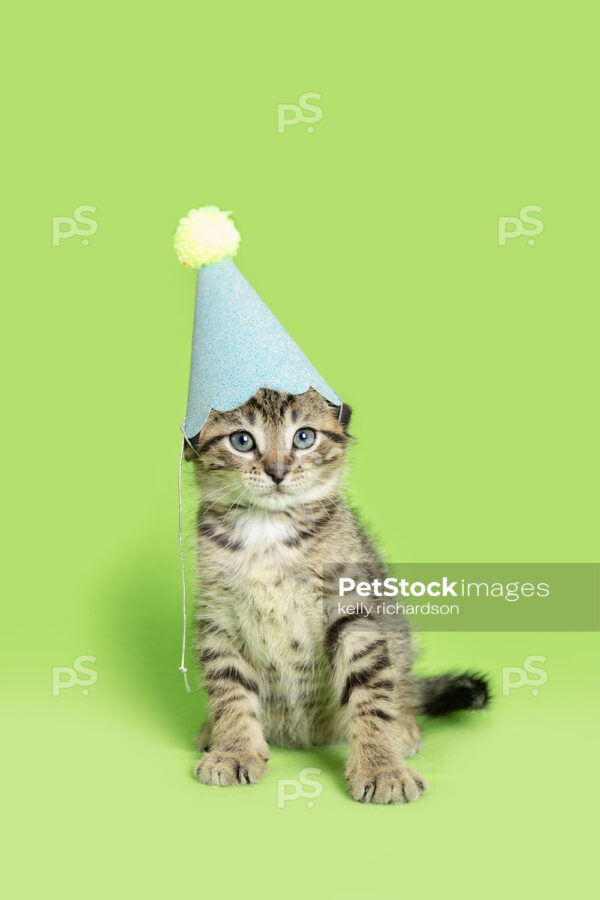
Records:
x=205, y=236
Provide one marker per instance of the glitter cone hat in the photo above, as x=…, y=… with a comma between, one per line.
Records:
x=238, y=345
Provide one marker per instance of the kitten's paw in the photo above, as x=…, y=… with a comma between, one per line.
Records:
x=223, y=769
x=412, y=739
x=398, y=786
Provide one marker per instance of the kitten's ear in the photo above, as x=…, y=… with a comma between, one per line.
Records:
x=189, y=448
x=344, y=415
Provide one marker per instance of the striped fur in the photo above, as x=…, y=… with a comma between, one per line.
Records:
x=269, y=521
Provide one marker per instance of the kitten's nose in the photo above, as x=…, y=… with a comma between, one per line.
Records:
x=276, y=467
x=276, y=471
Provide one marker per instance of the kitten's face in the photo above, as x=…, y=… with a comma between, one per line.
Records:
x=276, y=451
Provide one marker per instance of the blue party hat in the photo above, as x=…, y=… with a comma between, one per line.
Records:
x=238, y=345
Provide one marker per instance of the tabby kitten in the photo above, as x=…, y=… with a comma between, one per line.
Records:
x=272, y=517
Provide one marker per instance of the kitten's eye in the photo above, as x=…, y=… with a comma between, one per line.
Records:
x=304, y=438
x=242, y=440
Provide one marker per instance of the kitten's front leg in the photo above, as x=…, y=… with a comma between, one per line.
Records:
x=376, y=770
x=239, y=752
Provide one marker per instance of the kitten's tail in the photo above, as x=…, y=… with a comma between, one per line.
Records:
x=448, y=693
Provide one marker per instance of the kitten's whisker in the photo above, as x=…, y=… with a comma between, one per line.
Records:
x=222, y=518
x=218, y=496
x=335, y=503
x=223, y=495
x=216, y=491
x=325, y=510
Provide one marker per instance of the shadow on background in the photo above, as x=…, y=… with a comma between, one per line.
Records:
x=141, y=620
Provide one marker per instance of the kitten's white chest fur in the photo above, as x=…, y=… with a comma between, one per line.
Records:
x=257, y=528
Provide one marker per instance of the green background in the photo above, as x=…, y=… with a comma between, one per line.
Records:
x=471, y=368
